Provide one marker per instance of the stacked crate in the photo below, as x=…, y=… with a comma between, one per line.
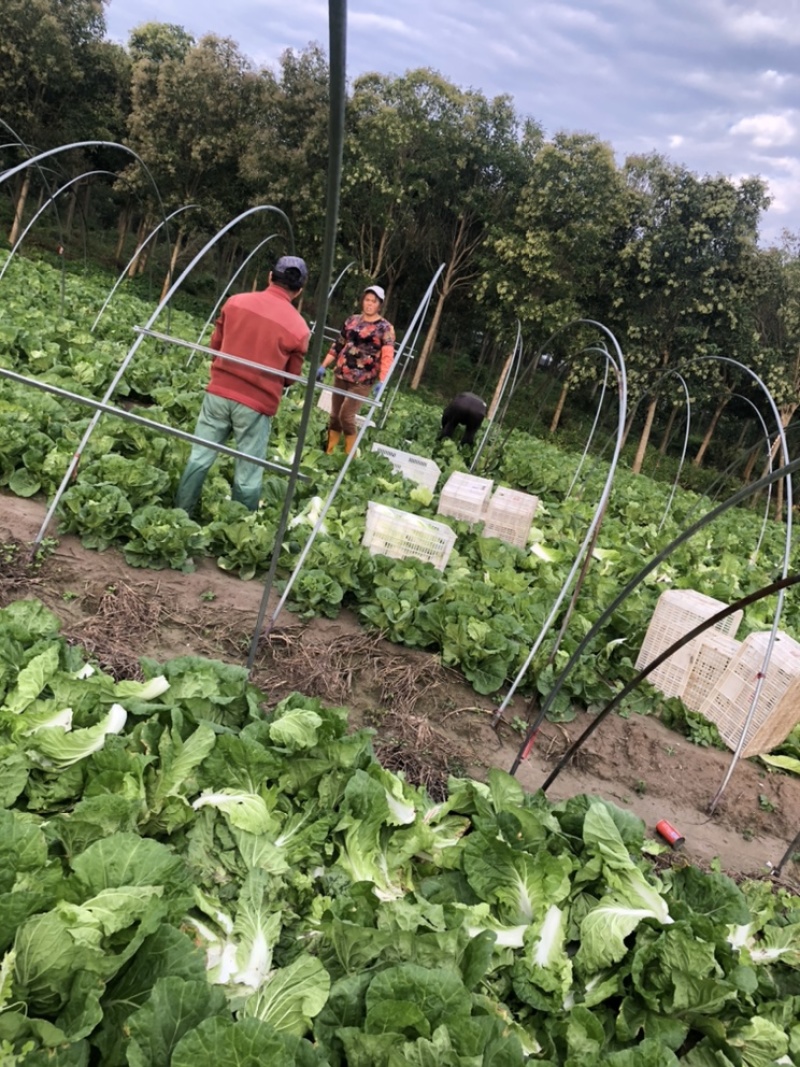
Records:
x=778, y=708
x=711, y=657
x=465, y=497
x=677, y=612
x=416, y=468
x=401, y=535
x=509, y=516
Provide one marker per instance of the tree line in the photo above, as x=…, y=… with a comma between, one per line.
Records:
x=532, y=230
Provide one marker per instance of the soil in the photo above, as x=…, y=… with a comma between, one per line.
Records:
x=429, y=722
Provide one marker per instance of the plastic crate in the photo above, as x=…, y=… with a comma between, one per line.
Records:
x=710, y=659
x=465, y=497
x=778, y=709
x=390, y=532
x=415, y=468
x=509, y=516
x=677, y=612
x=324, y=403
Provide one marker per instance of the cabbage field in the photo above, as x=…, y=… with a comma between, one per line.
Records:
x=188, y=880
x=185, y=881
x=480, y=615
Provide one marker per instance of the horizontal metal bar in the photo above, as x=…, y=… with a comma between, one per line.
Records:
x=109, y=409
x=246, y=363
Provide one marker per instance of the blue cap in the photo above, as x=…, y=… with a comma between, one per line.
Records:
x=291, y=271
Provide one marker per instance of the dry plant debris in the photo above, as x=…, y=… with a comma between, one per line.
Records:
x=119, y=621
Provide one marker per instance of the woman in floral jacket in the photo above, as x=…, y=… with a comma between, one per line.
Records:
x=362, y=358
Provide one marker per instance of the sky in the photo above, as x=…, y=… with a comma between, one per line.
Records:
x=711, y=84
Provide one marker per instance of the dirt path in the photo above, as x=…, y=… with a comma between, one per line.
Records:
x=428, y=720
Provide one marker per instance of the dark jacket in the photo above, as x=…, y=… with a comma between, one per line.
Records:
x=467, y=410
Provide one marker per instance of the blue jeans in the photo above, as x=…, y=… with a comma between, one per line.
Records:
x=218, y=419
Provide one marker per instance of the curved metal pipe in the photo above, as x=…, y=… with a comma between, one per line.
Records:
x=33, y=158
x=86, y=144
x=73, y=464
x=516, y=359
x=785, y=570
x=619, y=367
x=689, y=532
x=50, y=200
x=346, y=465
x=405, y=351
x=604, y=352
x=768, y=441
x=135, y=256
x=227, y=289
x=344, y=271
x=527, y=744
x=687, y=428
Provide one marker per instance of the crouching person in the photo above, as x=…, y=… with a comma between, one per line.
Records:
x=467, y=410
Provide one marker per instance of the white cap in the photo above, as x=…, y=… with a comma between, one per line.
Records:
x=377, y=290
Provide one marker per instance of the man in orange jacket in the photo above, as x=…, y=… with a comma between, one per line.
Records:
x=263, y=328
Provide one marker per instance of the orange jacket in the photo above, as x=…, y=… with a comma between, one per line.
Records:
x=265, y=328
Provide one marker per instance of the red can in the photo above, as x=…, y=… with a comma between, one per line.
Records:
x=670, y=834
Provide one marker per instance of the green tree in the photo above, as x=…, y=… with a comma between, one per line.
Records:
x=157, y=42
x=678, y=282
x=552, y=262
x=428, y=168
x=285, y=157
x=53, y=83
x=189, y=122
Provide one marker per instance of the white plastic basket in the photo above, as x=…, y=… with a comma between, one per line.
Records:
x=677, y=612
x=400, y=535
x=465, y=497
x=416, y=468
x=509, y=516
x=778, y=708
x=710, y=659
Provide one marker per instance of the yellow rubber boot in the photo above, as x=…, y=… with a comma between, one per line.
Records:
x=349, y=442
x=333, y=441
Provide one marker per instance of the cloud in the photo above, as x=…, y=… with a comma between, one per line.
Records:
x=373, y=23
x=712, y=84
x=766, y=131
x=755, y=25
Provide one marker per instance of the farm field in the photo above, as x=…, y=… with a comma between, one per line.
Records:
x=427, y=718
x=353, y=879
x=272, y=917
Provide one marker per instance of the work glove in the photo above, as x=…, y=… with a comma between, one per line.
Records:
x=377, y=389
x=321, y=372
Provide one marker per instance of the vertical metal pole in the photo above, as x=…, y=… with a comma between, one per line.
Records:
x=337, y=23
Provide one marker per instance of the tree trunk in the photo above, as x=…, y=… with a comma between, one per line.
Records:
x=430, y=340
x=133, y=269
x=749, y=466
x=662, y=448
x=144, y=258
x=87, y=198
x=723, y=403
x=71, y=211
x=559, y=406
x=643, y=440
x=19, y=210
x=122, y=233
x=176, y=251
x=786, y=413
x=499, y=388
